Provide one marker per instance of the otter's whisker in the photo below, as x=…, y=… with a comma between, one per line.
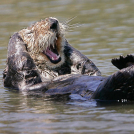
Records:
x=75, y=25
x=67, y=21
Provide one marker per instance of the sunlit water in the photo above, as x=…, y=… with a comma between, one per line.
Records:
x=102, y=30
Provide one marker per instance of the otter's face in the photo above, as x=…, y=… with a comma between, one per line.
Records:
x=45, y=42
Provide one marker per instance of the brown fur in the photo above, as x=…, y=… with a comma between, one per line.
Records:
x=40, y=53
x=36, y=37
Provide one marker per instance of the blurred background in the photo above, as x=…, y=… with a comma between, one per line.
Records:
x=101, y=30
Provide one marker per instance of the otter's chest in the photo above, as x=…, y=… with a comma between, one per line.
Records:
x=48, y=74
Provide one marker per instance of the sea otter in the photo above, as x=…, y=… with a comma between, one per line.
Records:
x=41, y=60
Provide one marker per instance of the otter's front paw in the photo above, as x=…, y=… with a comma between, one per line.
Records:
x=123, y=61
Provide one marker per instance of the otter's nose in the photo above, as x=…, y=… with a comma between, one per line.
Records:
x=53, y=23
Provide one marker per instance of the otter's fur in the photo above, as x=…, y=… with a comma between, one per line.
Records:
x=41, y=60
x=29, y=67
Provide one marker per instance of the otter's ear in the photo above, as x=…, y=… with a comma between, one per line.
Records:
x=123, y=61
x=27, y=35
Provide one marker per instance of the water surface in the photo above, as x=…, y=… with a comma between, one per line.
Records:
x=101, y=30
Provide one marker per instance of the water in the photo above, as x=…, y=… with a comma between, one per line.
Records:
x=101, y=30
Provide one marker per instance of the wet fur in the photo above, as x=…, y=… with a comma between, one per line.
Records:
x=38, y=36
x=28, y=70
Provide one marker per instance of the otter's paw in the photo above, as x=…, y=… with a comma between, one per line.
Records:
x=123, y=61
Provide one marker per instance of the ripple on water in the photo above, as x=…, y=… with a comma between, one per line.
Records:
x=88, y=44
x=6, y=9
x=107, y=32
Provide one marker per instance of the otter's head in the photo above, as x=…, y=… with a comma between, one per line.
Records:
x=45, y=42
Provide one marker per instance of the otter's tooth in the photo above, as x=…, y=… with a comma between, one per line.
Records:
x=53, y=45
x=52, y=58
x=56, y=38
x=58, y=56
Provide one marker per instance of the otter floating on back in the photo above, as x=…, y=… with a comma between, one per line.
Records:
x=41, y=60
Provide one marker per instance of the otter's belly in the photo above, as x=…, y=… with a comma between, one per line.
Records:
x=83, y=85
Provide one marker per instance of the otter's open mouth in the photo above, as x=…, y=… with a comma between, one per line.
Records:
x=52, y=53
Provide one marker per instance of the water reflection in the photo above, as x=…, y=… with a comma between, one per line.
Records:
x=106, y=32
x=31, y=114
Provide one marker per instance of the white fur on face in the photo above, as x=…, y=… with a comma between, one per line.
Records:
x=39, y=37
